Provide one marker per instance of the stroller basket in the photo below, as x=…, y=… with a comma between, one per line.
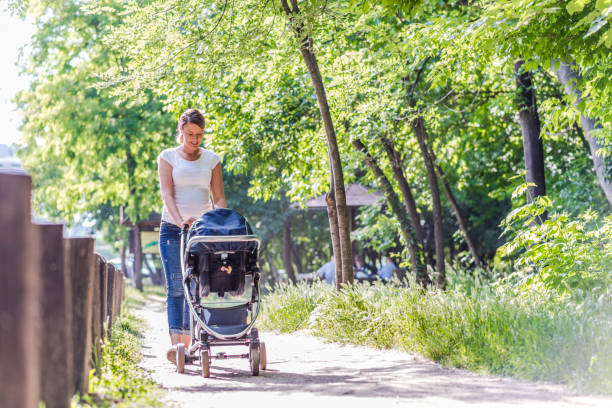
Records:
x=228, y=320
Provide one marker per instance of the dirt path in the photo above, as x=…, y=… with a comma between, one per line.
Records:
x=305, y=371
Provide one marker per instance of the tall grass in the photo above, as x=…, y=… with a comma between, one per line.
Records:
x=485, y=329
x=120, y=382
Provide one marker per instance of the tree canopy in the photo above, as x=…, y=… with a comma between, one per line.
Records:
x=429, y=89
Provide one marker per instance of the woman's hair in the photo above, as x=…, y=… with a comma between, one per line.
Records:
x=189, y=116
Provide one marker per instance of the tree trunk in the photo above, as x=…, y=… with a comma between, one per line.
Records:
x=335, y=234
x=409, y=201
x=124, y=269
x=297, y=259
x=151, y=270
x=133, y=201
x=401, y=214
x=287, y=250
x=310, y=60
x=421, y=134
x=273, y=269
x=460, y=220
x=158, y=270
x=156, y=275
x=568, y=75
x=530, y=128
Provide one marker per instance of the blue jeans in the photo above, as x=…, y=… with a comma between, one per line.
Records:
x=170, y=251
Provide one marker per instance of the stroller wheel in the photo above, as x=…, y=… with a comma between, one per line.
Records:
x=180, y=358
x=254, y=358
x=205, y=361
x=262, y=356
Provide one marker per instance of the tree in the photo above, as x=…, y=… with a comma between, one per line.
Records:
x=96, y=150
x=530, y=128
x=231, y=32
x=550, y=33
x=336, y=196
x=408, y=232
x=570, y=78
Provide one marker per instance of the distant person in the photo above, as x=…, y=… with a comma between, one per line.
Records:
x=386, y=272
x=363, y=271
x=328, y=272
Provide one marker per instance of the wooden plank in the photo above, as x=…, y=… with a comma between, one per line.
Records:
x=117, y=295
x=96, y=306
x=103, y=297
x=19, y=295
x=79, y=260
x=56, y=357
x=110, y=286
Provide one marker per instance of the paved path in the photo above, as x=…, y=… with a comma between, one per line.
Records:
x=305, y=371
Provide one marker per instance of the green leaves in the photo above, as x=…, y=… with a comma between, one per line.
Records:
x=563, y=256
x=96, y=149
x=575, y=6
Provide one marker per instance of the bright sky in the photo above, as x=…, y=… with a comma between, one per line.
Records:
x=14, y=33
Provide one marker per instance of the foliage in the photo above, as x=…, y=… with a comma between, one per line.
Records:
x=121, y=383
x=287, y=307
x=544, y=32
x=86, y=149
x=563, y=256
x=237, y=62
x=489, y=329
x=308, y=228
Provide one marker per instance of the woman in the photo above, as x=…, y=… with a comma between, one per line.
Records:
x=188, y=175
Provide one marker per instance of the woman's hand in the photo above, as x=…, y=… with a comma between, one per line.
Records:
x=188, y=222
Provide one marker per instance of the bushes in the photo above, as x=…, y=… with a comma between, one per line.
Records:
x=488, y=330
x=563, y=257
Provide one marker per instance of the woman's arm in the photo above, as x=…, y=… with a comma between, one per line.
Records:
x=216, y=187
x=166, y=185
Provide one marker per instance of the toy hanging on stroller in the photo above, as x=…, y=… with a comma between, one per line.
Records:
x=221, y=283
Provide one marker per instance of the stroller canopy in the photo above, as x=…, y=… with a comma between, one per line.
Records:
x=222, y=222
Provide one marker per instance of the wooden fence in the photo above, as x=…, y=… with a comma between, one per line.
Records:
x=57, y=297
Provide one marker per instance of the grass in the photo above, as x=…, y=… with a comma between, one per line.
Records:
x=486, y=329
x=120, y=382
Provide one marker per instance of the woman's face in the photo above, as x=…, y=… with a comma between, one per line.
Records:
x=192, y=137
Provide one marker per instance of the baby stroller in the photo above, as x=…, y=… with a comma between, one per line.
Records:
x=221, y=283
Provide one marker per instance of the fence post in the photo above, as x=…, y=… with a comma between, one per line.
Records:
x=110, y=286
x=19, y=295
x=116, y=295
x=96, y=305
x=103, y=297
x=79, y=261
x=56, y=349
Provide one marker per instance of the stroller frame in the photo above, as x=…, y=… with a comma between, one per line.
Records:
x=203, y=337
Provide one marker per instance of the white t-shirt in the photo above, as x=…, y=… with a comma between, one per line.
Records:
x=191, y=182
